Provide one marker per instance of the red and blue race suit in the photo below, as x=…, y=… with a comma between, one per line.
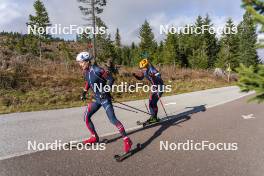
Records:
x=156, y=81
x=95, y=77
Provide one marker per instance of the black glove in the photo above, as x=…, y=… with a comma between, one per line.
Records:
x=83, y=96
x=136, y=76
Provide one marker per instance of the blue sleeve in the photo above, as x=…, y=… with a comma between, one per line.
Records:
x=155, y=73
x=105, y=75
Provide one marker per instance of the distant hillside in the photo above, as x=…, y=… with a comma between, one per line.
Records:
x=27, y=83
x=17, y=44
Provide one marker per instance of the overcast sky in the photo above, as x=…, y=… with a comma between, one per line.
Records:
x=127, y=15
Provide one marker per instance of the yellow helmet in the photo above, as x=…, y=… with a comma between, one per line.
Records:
x=143, y=63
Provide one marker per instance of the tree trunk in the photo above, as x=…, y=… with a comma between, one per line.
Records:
x=40, y=49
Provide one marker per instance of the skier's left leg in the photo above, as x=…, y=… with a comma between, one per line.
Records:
x=153, y=106
x=90, y=110
x=107, y=104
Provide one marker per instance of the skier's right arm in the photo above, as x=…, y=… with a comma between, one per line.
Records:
x=139, y=75
x=85, y=89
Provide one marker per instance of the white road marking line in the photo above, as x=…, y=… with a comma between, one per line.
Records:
x=172, y=103
x=250, y=116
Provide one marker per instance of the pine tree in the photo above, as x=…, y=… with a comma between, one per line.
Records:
x=107, y=50
x=198, y=35
x=256, y=9
x=170, y=50
x=159, y=58
x=105, y=46
x=118, y=49
x=200, y=47
x=211, y=42
x=40, y=20
x=90, y=10
x=20, y=45
x=186, y=46
x=247, y=41
x=252, y=79
x=199, y=59
x=117, y=38
x=32, y=44
x=147, y=40
x=126, y=56
x=134, y=54
x=229, y=44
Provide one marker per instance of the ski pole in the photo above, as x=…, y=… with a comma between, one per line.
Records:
x=124, y=108
x=146, y=106
x=163, y=107
x=131, y=107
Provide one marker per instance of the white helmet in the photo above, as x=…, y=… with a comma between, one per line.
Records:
x=84, y=56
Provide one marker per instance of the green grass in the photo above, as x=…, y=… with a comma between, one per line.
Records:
x=44, y=99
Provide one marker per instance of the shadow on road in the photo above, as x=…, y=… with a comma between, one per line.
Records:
x=165, y=124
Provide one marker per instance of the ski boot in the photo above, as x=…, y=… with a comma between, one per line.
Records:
x=152, y=119
x=91, y=140
x=127, y=144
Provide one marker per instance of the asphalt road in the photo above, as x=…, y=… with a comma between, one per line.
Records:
x=67, y=124
x=235, y=122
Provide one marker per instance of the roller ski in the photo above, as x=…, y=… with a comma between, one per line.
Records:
x=152, y=120
x=127, y=149
x=92, y=140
